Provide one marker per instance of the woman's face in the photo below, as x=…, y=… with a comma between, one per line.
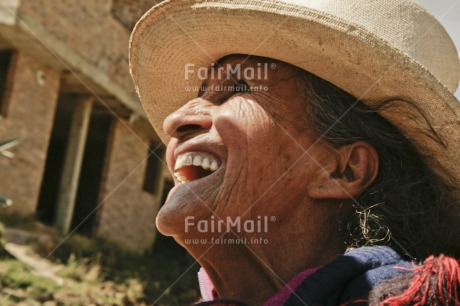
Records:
x=254, y=141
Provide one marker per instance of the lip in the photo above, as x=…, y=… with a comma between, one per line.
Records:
x=214, y=149
x=197, y=186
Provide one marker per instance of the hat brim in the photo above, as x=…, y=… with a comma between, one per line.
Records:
x=176, y=33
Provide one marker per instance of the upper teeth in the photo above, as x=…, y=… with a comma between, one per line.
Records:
x=205, y=161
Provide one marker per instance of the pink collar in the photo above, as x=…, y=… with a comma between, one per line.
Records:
x=208, y=293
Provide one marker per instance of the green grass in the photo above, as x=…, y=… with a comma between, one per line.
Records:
x=18, y=277
x=100, y=271
x=156, y=271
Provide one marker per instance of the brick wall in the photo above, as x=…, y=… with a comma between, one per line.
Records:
x=128, y=12
x=32, y=98
x=128, y=213
x=88, y=29
x=91, y=38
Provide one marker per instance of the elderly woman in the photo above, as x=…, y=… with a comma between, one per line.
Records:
x=314, y=146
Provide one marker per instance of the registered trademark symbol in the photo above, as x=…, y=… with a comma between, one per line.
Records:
x=273, y=66
x=273, y=218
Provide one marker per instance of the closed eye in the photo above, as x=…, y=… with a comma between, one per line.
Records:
x=241, y=87
x=219, y=93
x=232, y=89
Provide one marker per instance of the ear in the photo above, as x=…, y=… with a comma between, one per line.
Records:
x=346, y=174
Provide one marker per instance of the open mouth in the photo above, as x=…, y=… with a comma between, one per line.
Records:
x=192, y=166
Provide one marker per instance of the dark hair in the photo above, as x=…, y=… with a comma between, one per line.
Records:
x=407, y=207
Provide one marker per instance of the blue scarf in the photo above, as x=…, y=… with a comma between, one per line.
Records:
x=349, y=277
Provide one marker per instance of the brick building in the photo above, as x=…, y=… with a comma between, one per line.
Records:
x=89, y=158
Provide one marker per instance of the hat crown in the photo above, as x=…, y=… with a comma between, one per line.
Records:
x=405, y=25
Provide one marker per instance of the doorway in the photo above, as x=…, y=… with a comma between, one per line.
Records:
x=97, y=149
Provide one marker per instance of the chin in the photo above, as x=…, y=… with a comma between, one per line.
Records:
x=171, y=219
x=169, y=223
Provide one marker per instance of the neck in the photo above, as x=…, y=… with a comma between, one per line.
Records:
x=252, y=273
x=242, y=275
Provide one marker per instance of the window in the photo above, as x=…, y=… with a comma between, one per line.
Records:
x=6, y=57
x=154, y=167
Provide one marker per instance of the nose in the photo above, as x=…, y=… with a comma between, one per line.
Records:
x=192, y=118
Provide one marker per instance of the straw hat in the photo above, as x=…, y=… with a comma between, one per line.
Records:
x=372, y=49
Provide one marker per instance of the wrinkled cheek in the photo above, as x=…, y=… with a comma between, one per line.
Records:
x=231, y=129
x=247, y=131
x=242, y=124
x=250, y=136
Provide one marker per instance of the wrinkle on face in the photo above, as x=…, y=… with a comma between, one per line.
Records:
x=258, y=129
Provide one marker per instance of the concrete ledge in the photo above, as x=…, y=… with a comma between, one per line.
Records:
x=9, y=12
x=25, y=33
